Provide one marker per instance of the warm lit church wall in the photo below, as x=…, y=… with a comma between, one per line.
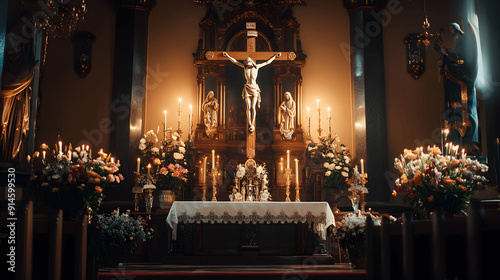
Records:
x=173, y=37
x=80, y=108
x=414, y=107
x=324, y=26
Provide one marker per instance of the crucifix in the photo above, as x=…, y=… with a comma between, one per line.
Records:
x=251, y=90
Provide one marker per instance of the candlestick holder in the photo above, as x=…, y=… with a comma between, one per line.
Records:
x=319, y=122
x=297, y=193
x=179, y=131
x=329, y=126
x=204, y=190
x=364, y=177
x=137, y=191
x=288, y=173
x=214, y=184
x=309, y=127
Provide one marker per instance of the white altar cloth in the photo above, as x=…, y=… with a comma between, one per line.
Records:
x=315, y=214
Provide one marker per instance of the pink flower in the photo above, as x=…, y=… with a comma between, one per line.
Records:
x=163, y=171
x=157, y=161
x=177, y=173
x=171, y=167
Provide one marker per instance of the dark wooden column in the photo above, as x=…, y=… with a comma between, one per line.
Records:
x=3, y=25
x=368, y=90
x=129, y=86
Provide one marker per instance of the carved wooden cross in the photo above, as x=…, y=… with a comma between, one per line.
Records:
x=254, y=55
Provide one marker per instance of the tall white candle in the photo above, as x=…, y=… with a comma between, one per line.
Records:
x=149, y=168
x=296, y=172
x=213, y=159
x=204, y=170
x=308, y=113
x=43, y=154
x=60, y=148
x=69, y=155
x=180, y=100
x=287, y=158
x=317, y=103
x=362, y=167
x=138, y=165
x=328, y=111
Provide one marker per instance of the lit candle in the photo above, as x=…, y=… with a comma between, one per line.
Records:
x=281, y=164
x=138, y=165
x=204, y=170
x=149, y=168
x=328, y=111
x=165, y=113
x=287, y=158
x=213, y=159
x=308, y=113
x=87, y=147
x=60, y=148
x=69, y=155
x=362, y=167
x=43, y=154
x=218, y=161
x=296, y=172
x=112, y=160
x=317, y=103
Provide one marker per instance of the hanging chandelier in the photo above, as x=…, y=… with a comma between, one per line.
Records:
x=416, y=48
x=62, y=17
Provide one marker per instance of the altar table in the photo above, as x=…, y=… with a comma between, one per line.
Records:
x=317, y=215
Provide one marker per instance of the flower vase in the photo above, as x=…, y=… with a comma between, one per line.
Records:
x=357, y=253
x=166, y=198
x=355, y=198
x=112, y=256
x=332, y=196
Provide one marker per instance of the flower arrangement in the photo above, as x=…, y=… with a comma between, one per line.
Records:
x=164, y=160
x=336, y=160
x=352, y=228
x=350, y=233
x=73, y=180
x=432, y=180
x=118, y=229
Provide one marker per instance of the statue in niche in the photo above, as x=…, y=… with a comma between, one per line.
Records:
x=286, y=116
x=210, y=108
x=459, y=72
x=251, y=90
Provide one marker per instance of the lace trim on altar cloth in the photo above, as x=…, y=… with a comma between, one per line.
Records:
x=317, y=223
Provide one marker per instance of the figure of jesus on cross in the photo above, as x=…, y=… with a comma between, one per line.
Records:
x=251, y=90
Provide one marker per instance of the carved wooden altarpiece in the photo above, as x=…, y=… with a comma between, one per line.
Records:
x=258, y=29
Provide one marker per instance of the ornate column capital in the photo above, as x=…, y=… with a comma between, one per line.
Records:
x=364, y=5
x=145, y=5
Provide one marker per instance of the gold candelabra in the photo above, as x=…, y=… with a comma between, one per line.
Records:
x=179, y=131
x=319, y=122
x=214, y=184
x=288, y=173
